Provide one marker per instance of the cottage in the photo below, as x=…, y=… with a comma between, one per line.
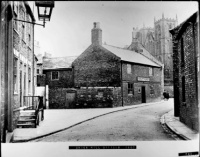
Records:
x=58, y=76
x=108, y=76
x=186, y=71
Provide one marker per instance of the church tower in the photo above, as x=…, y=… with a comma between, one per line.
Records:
x=163, y=45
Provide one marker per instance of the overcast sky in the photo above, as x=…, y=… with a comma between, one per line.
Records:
x=69, y=31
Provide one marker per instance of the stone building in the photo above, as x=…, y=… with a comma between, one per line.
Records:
x=186, y=71
x=17, y=59
x=108, y=76
x=57, y=78
x=158, y=42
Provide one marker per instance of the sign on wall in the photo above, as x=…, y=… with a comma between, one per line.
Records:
x=143, y=79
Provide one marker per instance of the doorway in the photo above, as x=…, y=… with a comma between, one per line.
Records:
x=143, y=93
x=70, y=99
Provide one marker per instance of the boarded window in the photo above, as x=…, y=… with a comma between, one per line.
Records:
x=130, y=88
x=54, y=75
x=129, y=68
x=150, y=71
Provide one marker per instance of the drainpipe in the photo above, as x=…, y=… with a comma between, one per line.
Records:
x=33, y=88
x=122, y=84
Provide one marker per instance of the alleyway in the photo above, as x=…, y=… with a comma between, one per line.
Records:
x=140, y=124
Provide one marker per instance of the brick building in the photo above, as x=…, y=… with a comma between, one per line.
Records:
x=107, y=76
x=185, y=64
x=17, y=59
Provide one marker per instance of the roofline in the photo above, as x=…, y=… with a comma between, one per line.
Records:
x=181, y=28
x=142, y=64
x=57, y=69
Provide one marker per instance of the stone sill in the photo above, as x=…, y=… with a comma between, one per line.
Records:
x=19, y=109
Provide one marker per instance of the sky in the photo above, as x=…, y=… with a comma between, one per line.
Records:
x=69, y=31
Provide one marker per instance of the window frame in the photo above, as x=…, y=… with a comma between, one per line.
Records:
x=54, y=79
x=15, y=75
x=130, y=88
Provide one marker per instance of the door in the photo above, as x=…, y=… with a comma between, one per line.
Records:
x=70, y=99
x=143, y=92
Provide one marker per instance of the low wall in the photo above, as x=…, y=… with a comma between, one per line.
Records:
x=98, y=97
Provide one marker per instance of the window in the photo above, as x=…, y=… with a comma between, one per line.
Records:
x=151, y=89
x=29, y=40
x=182, y=54
x=29, y=80
x=150, y=71
x=23, y=32
x=38, y=71
x=15, y=74
x=130, y=88
x=54, y=75
x=129, y=68
x=15, y=7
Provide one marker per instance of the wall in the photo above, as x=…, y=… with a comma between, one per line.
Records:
x=187, y=109
x=96, y=67
x=23, y=52
x=65, y=78
x=154, y=83
x=98, y=97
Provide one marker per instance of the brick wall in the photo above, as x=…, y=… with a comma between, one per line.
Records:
x=188, y=109
x=96, y=67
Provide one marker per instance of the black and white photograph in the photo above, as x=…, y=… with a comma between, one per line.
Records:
x=99, y=78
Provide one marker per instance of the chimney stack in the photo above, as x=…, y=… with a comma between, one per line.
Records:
x=97, y=34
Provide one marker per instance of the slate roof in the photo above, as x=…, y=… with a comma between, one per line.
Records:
x=58, y=62
x=130, y=56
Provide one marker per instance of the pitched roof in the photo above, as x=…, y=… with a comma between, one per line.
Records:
x=58, y=62
x=130, y=56
x=178, y=30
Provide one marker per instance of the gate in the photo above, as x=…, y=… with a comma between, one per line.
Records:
x=70, y=99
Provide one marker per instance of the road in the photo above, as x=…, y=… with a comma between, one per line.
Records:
x=137, y=124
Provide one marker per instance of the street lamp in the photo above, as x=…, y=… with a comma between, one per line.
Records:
x=44, y=9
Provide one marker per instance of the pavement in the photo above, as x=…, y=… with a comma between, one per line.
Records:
x=56, y=120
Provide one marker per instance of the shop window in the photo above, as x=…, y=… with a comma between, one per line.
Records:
x=54, y=75
x=130, y=88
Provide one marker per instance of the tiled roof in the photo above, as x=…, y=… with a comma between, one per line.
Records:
x=130, y=56
x=58, y=62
